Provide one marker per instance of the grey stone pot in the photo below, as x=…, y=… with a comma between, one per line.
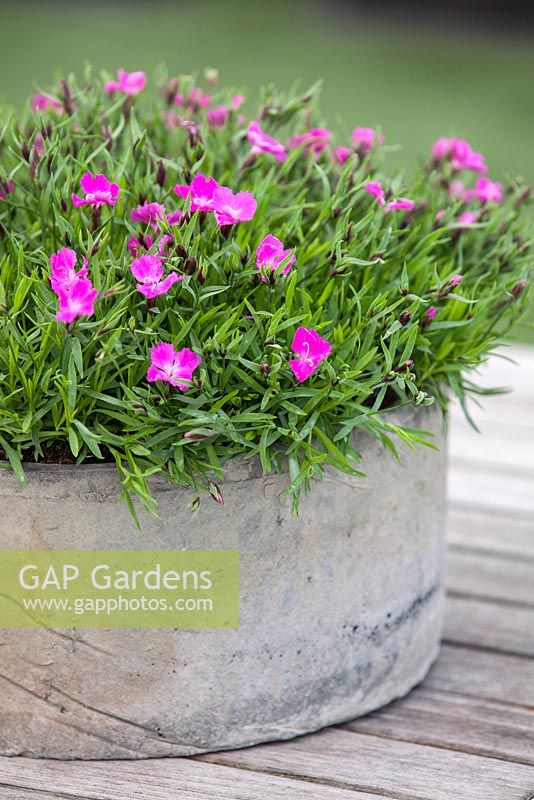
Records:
x=341, y=609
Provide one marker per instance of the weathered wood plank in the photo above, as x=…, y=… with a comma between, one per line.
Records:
x=507, y=443
x=8, y=793
x=158, y=779
x=487, y=624
x=491, y=577
x=486, y=675
x=404, y=770
x=486, y=531
x=456, y=722
x=478, y=485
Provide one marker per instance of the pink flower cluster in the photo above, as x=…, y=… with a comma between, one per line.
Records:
x=364, y=139
x=315, y=141
x=129, y=83
x=484, y=190
x=460, y=153
x=461, y=156
x=194, y=100
x=205, y=194
x=152, y=215
x=75, y=292
x=218, y=116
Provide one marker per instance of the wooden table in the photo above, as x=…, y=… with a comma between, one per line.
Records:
x=466, y=734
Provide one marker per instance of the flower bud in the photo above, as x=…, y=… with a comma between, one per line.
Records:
x=429, y=316
x=190, y=265
x=161, y=174
x=518, y=289
x=215, y=492
x=212, y=75
x=405, y=366
x=405, y=317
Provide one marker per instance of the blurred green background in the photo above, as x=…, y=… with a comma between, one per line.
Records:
x=415, y=78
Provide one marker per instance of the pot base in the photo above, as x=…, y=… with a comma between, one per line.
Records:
x=341, y=610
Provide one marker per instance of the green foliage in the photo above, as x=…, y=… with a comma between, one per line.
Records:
x=363, y=278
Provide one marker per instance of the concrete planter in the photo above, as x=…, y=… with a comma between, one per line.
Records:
x=341, y=610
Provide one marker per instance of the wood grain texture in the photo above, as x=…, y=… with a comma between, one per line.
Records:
x=456, y=722
x=491, y=625
x=400, y=769
x=8, y=793
x=480, y=674
x=482, y=486
x=490, y=532
x=491, y=577
x=157, y=779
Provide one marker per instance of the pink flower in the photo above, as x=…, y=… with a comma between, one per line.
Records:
x=76, y=301
x=429, y=315
x=231, y=208
x=400, y=204
x=75, y=292
x=172, y=366
x=202, y=192
x=455, y=280
x=194, y=100
x=468, y=218
x=461, y=153
x=441, y=148
x=315, y=140
x=45, y=102
x=130, y=83
x=137, y=246
x=488, y=191
x=464, y=157
x=217, y=116
x=39, y=148
x=270, y=254
x=311, y=349
x=262, y=142
x=364, y=139
x=63, y=274
x=375, y=188
x=457, y=190
x=237, y=101
x=148, y=271
x=6, y=188
x=148, y=214
x=174, y=217
x=98, y=191
x=340, y=155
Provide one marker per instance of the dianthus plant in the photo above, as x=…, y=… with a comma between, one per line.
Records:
x=185, y=278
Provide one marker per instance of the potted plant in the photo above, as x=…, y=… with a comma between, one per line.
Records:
x=250, y=332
